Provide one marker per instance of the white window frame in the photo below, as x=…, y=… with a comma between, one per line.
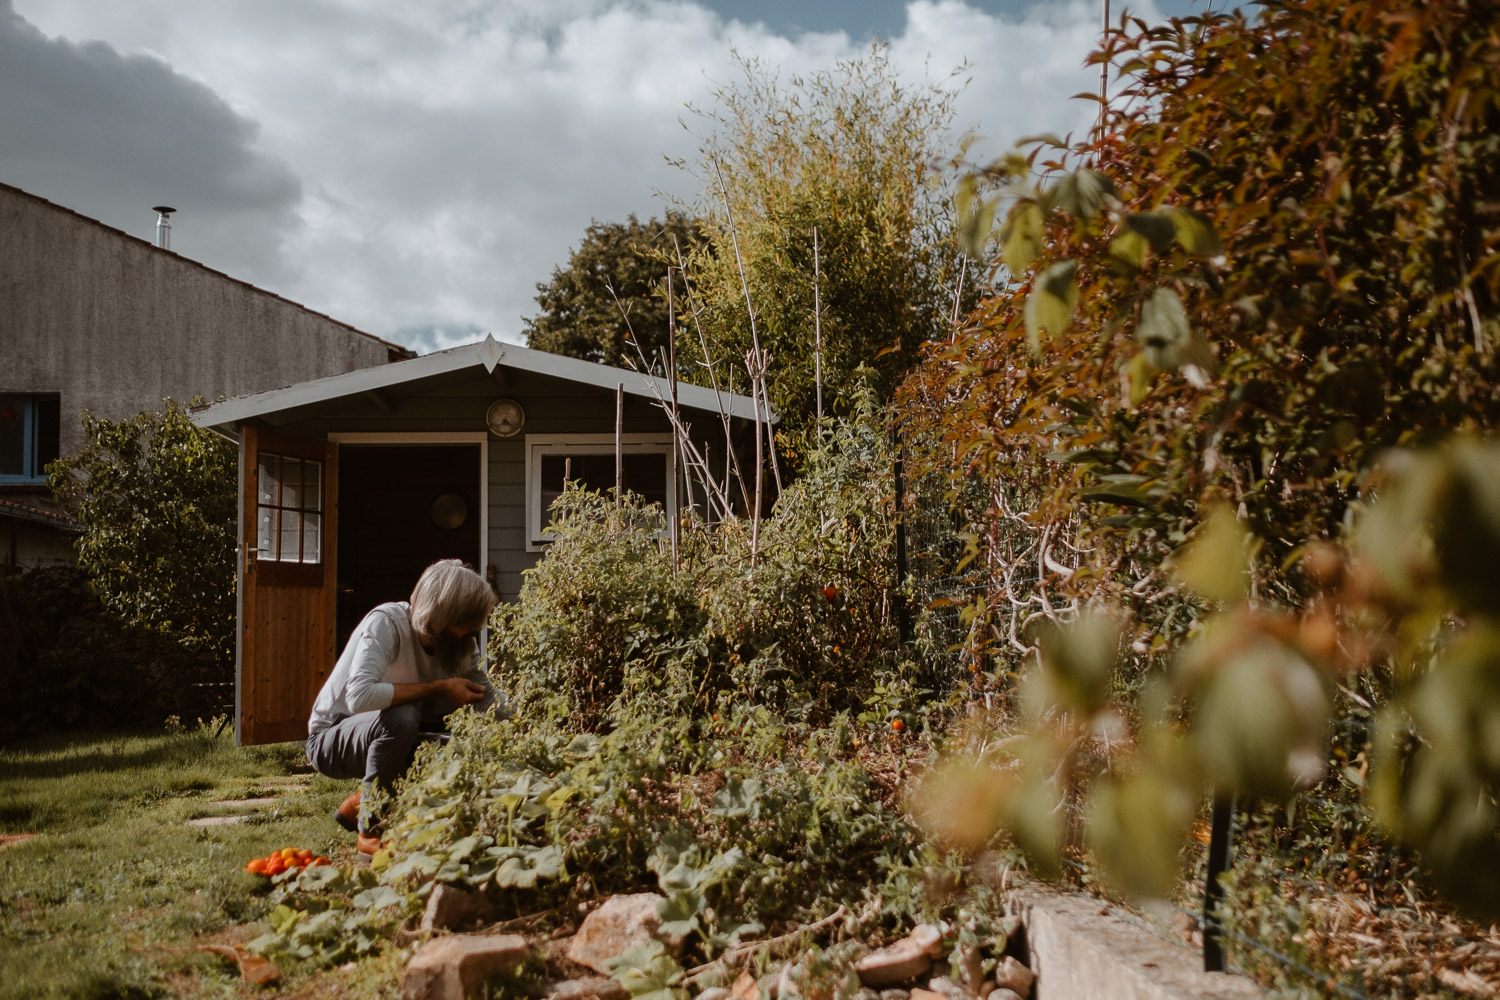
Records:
x=538, y=445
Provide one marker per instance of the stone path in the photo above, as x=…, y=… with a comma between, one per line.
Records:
x=248, y=807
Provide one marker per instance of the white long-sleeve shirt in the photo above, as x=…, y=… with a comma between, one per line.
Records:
x=384, y=652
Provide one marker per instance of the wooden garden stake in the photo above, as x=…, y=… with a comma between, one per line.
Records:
x=619, y=446
x=817, y=332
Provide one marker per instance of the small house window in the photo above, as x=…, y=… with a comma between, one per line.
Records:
x=589, y=461
x=289, y=509
x=29, y=437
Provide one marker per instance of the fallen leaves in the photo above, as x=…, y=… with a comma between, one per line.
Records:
x=253, y=968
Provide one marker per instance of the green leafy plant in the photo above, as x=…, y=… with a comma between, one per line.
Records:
x=157, y=498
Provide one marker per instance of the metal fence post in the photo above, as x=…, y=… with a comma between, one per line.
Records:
x=1213, y=892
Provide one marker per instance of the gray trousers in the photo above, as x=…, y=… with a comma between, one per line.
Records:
x=376, y=747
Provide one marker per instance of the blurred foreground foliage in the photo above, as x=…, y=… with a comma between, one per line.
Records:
x=1214, y=407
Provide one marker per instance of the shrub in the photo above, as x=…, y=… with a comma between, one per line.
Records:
x=157, y=497
x=806, y=624
x=79, y=665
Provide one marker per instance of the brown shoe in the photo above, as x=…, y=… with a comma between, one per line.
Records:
x=367, y=843
x=347, y=814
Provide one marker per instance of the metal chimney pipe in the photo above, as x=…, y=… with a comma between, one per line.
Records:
x=164, y=225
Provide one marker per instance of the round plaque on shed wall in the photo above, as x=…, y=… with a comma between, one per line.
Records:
x=505, y=418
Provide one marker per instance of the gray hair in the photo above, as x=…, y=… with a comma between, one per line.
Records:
x=448, y=593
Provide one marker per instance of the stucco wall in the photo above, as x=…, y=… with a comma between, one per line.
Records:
x=114, y=324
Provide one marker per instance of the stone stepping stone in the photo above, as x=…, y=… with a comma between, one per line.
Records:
x=253, y=805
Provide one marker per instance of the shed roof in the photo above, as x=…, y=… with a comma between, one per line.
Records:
x=434, y=369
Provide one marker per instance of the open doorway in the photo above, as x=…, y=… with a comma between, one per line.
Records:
x=401, y=507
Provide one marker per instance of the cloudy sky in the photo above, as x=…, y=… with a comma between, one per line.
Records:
x=415, y=167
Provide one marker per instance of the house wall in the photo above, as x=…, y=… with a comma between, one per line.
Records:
x=25, y=545
x=552, y=406
x=114, y=324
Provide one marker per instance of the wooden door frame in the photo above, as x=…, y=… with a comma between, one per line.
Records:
x=417, y=438
x=324, y=576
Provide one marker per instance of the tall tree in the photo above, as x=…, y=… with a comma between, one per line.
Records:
x=613, y=285
x=830, y=174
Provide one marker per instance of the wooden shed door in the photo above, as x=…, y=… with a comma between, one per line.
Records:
x=286, y=626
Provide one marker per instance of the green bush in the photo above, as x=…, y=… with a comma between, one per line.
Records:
x=803, y=619
x=79, y=665
x=715, y=729
x=158, y=498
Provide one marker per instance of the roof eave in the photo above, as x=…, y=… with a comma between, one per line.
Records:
x=226, y=416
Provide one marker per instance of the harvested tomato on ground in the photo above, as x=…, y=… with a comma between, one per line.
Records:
x=288, y=857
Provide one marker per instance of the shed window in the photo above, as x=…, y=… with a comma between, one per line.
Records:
x=289, y=509
x=589, y=459
x=29, y=436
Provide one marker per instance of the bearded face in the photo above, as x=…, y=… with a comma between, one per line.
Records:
x=453, y=652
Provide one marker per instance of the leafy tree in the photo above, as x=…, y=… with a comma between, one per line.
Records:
x=613, y=284
x=1270, y=265
x=844, y=158
x=157, y=497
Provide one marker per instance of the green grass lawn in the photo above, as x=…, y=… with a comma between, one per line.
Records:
x=116, y=892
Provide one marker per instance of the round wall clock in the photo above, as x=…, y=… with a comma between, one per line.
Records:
x=505, y=418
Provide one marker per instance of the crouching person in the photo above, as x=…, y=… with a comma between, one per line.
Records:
x=407, y=665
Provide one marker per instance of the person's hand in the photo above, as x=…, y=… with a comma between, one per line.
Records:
x=460, y=691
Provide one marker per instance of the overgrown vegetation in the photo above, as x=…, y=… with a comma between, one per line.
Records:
x=830, y=246
x=720, y=731
x=1268, y=266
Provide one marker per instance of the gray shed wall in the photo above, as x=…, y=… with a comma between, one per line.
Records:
x=114, y=324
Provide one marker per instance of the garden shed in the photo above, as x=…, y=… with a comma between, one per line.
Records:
x=351, y=484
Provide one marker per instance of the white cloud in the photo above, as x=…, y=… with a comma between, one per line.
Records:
x=449, y=153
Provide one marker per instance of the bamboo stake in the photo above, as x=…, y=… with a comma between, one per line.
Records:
x=731, y=456
x=681, y=430
x=760, y=469
x=1104, y=72
x=672, y=375
x=765, y=396
x=619, y=444
x=817, y=331
x=759, y=356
